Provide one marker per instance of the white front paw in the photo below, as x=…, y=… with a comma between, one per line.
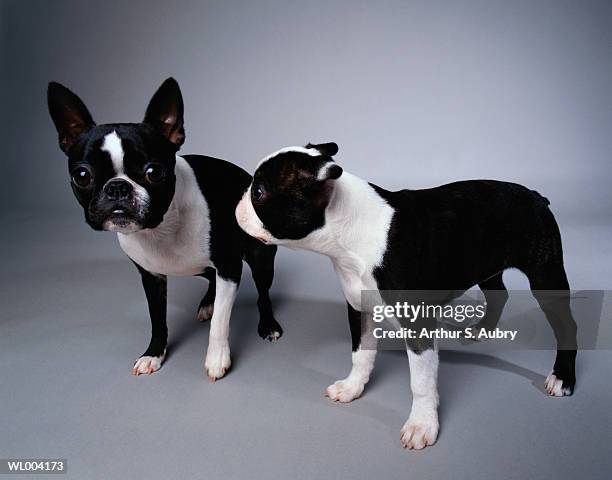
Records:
x=345, y=391
x=148, y=364
x=218, y=360
x=418, y=433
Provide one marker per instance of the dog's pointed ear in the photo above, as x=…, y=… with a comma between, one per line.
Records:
x=69, y=114
x=328, y=149
x=329, y=170
x=165, y=112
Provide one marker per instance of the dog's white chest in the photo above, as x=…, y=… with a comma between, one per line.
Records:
x=358, y=219
x=179, y=246
x=180, y=254
x=353, y=281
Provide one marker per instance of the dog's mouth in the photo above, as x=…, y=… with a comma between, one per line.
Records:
x=263, y=239
x=120, y=212
x=121, y=219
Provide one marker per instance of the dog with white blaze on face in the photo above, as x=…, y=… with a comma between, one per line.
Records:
x=449, y=238
x=173, y=215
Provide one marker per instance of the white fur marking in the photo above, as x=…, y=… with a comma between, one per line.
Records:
x=422, y=426
x=218, y=358
x=322, y=174
x=112, y=145
x=313, y=152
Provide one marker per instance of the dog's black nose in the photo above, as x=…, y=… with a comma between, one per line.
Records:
x=118, y=189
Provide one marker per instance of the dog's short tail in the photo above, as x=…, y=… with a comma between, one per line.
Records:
x=541, y=197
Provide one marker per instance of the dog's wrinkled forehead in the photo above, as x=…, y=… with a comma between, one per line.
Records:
x=290, y=165
x=310, y=151
x=111, y=146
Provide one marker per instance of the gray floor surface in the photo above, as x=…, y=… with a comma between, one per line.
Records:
x=73, y=319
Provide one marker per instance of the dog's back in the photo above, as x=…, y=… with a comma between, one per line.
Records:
x=455, y=235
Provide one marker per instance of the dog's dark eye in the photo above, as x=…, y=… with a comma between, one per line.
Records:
x=154, y=173
x=258, y=192
x=82, y=177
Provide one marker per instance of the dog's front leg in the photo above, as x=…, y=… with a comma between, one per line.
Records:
x=422, y=426
x=155, y=287
x=218, y=356
x=363, y=362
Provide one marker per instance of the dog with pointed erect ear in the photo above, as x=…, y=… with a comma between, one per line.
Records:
x=173, y=214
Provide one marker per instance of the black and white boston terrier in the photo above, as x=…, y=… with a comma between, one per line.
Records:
x=173, y=215
x=450, y=238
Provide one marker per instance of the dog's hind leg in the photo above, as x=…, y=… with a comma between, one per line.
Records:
x=551, y=289
x=543, y=265
x=205, y=309
x=496, y=296
x=260, y=258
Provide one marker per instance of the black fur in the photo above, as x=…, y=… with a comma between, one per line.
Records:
x=222, y=183
x=466, y=233
x=155, y=287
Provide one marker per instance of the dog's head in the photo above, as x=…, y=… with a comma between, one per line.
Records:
x=122, y=174
x=289, y=194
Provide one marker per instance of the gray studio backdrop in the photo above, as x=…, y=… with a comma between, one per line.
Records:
x=415, y=93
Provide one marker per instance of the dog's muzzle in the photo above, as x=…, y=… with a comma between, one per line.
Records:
x=249, y=221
